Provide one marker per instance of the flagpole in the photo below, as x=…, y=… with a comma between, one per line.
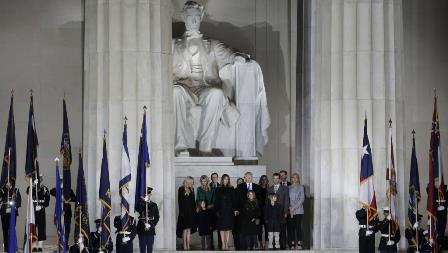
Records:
x=415, y=196
x=9, y=167
x=390, y=177
x=146, y=203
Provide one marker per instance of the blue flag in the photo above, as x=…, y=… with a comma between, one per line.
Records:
x=31, y=164
x=124, y=182
x=81, y=208
x=66, y=152
x=12, y=240
x=105, y=199
x=414, y=187
x=142, y=164
x=9, y=156
x=58, y=214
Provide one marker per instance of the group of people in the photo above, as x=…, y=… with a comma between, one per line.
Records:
x=145, y=226
x=248, y=211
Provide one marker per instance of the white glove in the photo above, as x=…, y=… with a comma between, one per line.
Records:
x=38, y=208
x=8, y=210
x=390, y=243
x=100, y=251
x=440, y=208
x=81, y=246
x=147, y=226
x=369, y=232
x=416, y=225
x=389, y=217
x=80, y=240
x=146, y=198
x=126, y=239
x=36, y=181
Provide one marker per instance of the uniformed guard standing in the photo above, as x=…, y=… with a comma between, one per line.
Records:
x=125, y=237
x=147, y=221
x=10, y=195
x=41, y=200
x=390, y=234
x=67, y=212
x=441, y=204
x=95, y=237
x=426, y=244
x=366, y=233
x=411, y=236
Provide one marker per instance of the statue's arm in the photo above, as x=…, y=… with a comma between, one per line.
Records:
x=224, y=54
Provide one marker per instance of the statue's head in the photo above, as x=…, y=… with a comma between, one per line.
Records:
x=192, y=15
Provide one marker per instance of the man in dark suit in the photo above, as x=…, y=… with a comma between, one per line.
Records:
x=283, y=199
x=284, y=178
x=241, y=198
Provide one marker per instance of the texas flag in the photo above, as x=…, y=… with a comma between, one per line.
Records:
x=366, y=188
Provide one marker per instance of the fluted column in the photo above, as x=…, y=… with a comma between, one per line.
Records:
x=127, y=66
x=354, y=70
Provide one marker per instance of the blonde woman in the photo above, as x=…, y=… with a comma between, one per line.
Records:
x=187, y=211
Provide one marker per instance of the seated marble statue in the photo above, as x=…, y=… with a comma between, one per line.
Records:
x=205, y=102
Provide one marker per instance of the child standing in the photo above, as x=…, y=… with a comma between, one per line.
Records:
x=250, y=218
x=205, y=224
x=273, y=216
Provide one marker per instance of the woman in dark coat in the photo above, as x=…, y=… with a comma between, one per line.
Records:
x=225, y=210
x=264, y=184
x=250, y=218
x=187, y=211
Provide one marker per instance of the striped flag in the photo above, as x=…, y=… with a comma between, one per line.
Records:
x=31, y=235
x=105, y=199
x=366, y=188
x=391, y=178
x=125, y=179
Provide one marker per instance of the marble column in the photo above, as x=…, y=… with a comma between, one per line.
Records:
x=354, y=68
x=128, y=65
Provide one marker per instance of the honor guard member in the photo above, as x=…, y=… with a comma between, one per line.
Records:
x=366, y=233
x=388, y=242
x=426, y=245
x=95, y=237
x=147, y=221
x=124, y=237
x=41, y=200
x=441, y=204
x=79, y=246
x=67, y=211
x=411, y=236
x=10, y=195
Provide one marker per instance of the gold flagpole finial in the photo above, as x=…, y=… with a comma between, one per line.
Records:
x=125, y=120
x=12, y=92
x=413, y=133
x=31, y=92
x=390, y=122
x=144, y=107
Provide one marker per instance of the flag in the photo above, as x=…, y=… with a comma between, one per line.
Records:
x=105, y=199
x=367, y=189
x=142, y=164
x=81, y=208
x=9, y=156
x=66, y=152
x=12, y=239
x=414, y=187
x=58, y=212
x=125, y=179
x=31, y=163
x=31, y=235
x=391, y=178
x=431, y=203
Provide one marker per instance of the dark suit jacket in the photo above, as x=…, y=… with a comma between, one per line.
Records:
x=241, y=194
x=283, y=196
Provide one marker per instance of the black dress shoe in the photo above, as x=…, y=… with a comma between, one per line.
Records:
x=34, y=250
x=39, y=250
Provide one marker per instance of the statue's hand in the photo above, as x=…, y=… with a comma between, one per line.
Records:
x=239, y=59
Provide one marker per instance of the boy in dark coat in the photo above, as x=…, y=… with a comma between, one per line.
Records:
x=273, y=215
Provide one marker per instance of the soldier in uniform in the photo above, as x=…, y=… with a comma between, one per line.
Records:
x=388, y=242
x=10, y=195
x=147, y=221
x=41, y=200
x=67, y=211
x=366, y=233
x=79, y=246
x=411, y=236
x=441, y=205
x=426, y=245
x=95, y=237
x=124, y=237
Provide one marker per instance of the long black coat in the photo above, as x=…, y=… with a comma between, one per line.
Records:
x=187, y=209
x=205, y=222
x=225, y=207
x=273, y=216
x=250, y=215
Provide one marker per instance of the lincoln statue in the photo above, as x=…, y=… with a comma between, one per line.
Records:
x=201, y=100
